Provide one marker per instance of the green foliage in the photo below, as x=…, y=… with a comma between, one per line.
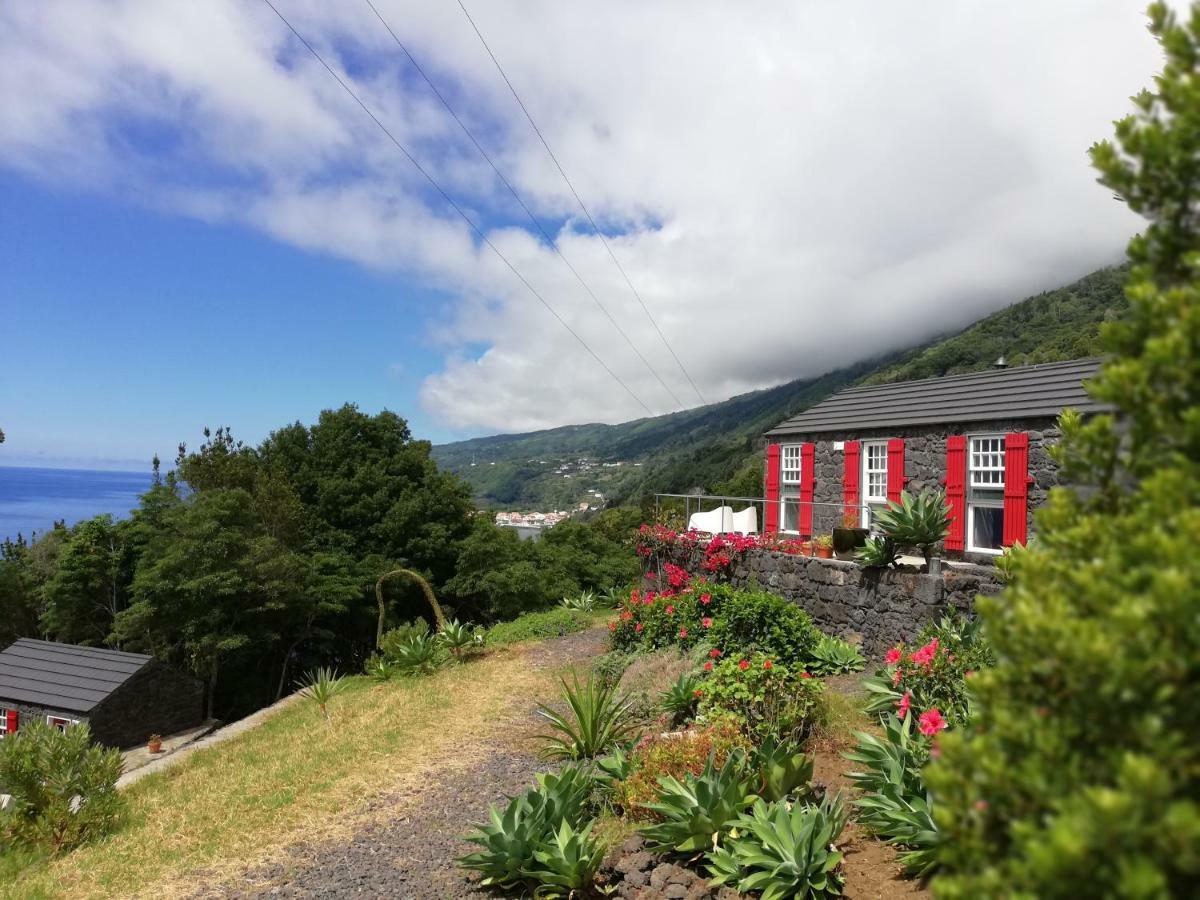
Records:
x=748, y=620
x=918, y=522
x=566, y=865
x=784, y=850
x=878, y=552
x=401, y=635
x=419, y=654
x=462, y=638
x=322, y=686
x=539, y=625
x=1081, y=774
x=697, y=811
x=530, y=824
x=782, y=769
x=769, y=699
x=609, y=667
x=598, y=719
x=680, y=699
x=833, y=655
x=584, y=602
x=62, y=788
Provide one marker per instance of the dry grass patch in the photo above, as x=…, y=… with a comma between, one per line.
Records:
x=296, y=777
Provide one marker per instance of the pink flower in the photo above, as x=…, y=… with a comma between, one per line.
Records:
x=893, y=656
x=706, y=599
x=706, y=622
x=981, y=805
x=896, y=677
x=714, y=653
x=670, y=610
x=638, y=628
x=902, y=707
x=708, y=667
x=931, y=722
x=683, y=632
x=744, y=665
x=612, y=626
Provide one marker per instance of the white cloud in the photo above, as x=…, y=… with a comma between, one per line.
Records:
x=799, y=185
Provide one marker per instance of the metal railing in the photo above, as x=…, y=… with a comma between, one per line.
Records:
x=824, y=516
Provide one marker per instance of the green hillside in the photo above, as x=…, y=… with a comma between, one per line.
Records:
x=716, y=446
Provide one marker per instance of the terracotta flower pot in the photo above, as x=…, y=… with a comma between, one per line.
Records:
x=154, y=746
x=824, y=552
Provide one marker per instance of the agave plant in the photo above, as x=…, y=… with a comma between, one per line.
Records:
x=919, y=521
x=614, y=768
x=599, y=719
x=614, y=596
x=566, y=865
x=321, y=686
x=680, y=698
x=697, y=811
x=784, y=851
x=782, y=770
x=832, y=655
x=905, y=820
x=878, y=552
x=896, y=758
x=379, y=668
x=460, y=638
x=420, y=654
x=585, y=602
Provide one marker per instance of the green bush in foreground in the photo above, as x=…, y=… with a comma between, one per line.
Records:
x=1081, y=775
x=63, y=789
x=537, y=625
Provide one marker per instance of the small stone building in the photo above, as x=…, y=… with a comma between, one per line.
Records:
x=123, y=697
x=984, y=437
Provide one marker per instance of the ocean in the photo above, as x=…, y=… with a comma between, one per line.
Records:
x=33, y=499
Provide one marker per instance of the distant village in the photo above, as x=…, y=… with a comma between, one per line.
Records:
x=593, y=496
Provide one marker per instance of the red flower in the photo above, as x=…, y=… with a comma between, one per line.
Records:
x=931, y=722
x=683, y=632
x=896, y=677
x=744, y=665
x=706, y=622
x=706, y=599
x=903, y=705
x=766, y=664
x=805, y=675
x=893, y=656
x=612, y=626
x=708, y=667
x=981, y=805
x=639, y=628
x=698, y=692
x=714, y=653
x=626, y=616
x=670, y=610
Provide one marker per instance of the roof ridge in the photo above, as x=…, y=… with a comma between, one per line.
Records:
x=982, y=373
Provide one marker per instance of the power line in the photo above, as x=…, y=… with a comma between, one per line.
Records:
x=528, y=212
x=475, y=228
x=579, y=200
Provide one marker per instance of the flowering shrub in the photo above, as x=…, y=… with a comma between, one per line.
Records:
x=668, y=547
x=767, y=698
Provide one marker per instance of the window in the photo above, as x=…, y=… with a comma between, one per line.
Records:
x=789, y=487
x=985, y=494
x=60, y=723
x=3, y=721
x=874, y=479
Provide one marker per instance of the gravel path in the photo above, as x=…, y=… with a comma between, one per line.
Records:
x=408, y=847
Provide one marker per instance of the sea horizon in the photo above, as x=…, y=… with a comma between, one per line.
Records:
x=33, y=498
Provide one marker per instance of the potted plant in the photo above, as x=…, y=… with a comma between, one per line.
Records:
x=850, y=536
x=806, y=548
x=154, y=745
x=824, y=546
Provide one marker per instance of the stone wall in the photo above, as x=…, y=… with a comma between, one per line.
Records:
x=157, y=699
x=27, y=712
x=924, y=462
x=880, y=607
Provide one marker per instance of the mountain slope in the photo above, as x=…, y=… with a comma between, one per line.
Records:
x=714, y=446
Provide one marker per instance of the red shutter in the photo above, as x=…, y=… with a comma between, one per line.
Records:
x=956, y=490
x=11, y=721
x=807, y=476
x=895, y=470
x=771, y=512
x=850, y=479
x=1016, y=487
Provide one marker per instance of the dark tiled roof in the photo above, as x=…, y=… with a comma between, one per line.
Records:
x=63, y=676
x=1018, y=393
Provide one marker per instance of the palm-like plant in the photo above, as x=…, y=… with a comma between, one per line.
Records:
x=680, y=698
x=321, y=686
x=420, y=654
x=598, y=719
x=784, y=850
x=614, y=596
x=877, y=552
x=832, y=655
x=566, y=865
x=584, y=602
x=783, y=770
x=698, y=810
x=919, y=521
x=461, y=638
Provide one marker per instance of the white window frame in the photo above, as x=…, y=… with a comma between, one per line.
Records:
x=864, y=479
x=54, y=722
x=987, y=475
x=4, y=711
x=789, y=484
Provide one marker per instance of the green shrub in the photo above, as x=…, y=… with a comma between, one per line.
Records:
x=784, y=850
x=697, y=811
x=832, y=656
x=749, y=620
x=598, y=719
x=584, y=602
x=609, y=667
x=679, y=701
x=402, y=634
x=462, y=639
x=878, y=552
x=62, y=788
x=539, y=625
x=781, y=769
x=768, y=699
x=419, y=654
x=566, y=865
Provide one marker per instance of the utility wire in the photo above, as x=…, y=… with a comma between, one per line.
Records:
x=528, y=212
x=445, y=196
x=579, y=200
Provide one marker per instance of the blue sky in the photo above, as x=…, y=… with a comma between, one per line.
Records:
x=198, y=227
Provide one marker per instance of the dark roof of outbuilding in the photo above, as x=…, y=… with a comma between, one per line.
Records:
x=1021, y=392
x=63, y=676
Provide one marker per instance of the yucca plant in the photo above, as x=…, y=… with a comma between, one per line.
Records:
x=784, y=851
x=598, y=719
x=680, y=698
x=461, y=638
x=566, y=865
x=920, y=521
x=321, y=686
x=584, y=602
x=379, y=668
x=878, y=552
x=420, y=654
x=832, y=655
x=697, y=811
x=782, y=770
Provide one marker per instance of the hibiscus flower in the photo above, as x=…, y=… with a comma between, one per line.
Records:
x=931, y=722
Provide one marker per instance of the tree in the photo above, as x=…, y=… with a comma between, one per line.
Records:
x=1081, y=776
x=89, y=585
x=20, y=592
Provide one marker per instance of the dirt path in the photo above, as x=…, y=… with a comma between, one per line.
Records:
x=407, y=841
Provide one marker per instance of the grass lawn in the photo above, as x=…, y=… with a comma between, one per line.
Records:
x=247, y=799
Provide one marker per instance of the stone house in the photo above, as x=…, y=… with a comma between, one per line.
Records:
x=984, y=437
x=123, y=697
